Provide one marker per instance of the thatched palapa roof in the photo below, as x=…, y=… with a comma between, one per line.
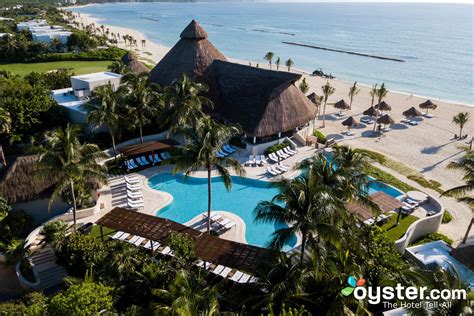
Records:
x=383, y=106
x=264, y=102
x=386, y=120
x=341, y=104
x=411, y=112
x=19, y=183
x=316, y=99
x=191, y=55
x=428, y=104
x=370, y=111
x=131, y=60
x=350, y=122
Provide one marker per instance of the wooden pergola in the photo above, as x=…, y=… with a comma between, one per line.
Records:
x=208, y=248
x=148, y=147
x=385, y=202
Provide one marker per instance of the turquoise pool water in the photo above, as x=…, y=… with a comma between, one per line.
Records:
x=190, y=200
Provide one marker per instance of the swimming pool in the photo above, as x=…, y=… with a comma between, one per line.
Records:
x=190, y=200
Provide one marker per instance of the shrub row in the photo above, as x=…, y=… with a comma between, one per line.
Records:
x=111, y=53
x=320, y=136
x=276, y=147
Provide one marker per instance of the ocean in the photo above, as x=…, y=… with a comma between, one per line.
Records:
x=435, y=41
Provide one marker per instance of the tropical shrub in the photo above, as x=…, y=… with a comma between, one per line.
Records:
x=320, y=136
x=27, y=270
x=276, y=147
x=111, y=53
x=4, y=208
x=447, y=217
x=87, y=298
x=433, y=237
x=15, y=225
x=53, y=231
x=51, y=80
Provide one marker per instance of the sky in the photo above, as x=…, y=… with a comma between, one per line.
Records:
x=404, y=1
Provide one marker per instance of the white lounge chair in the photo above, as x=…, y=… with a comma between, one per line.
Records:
x=152, y=245
x=124, y=236
x=289, y=151
x=273, y=157
x=133, y=239
x=405, y=120
x=258, y=161
x=225, y=272
x=134, y=187
x=251, y=160
x=349, y=133
x=412, y=202
x=270, y=171
x=230, y=225
x=225, y=222
x=131, y=179
x=117, y=235
x=275, y=169
x=253, y=280
x=139, y=241
x=218, y=269
x=237, y=275
x=282, y=155
x=134, y=205
x=166, y=251
x=134, y=195
x=282, y=168
x=414, y=123
x=263, y=159
x=244, y=278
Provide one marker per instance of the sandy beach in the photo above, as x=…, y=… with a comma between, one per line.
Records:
x=427, y=148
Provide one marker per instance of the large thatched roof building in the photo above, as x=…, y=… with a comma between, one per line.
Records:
x=131, y=60
x=267, y=104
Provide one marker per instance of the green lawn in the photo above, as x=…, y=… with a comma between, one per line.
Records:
x=95, y=231
x=395, y=232
x=78, y=67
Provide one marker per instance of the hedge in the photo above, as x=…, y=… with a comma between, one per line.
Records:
x=432, y=237
x=320, y=136
x=447, y=217
x=111, y=53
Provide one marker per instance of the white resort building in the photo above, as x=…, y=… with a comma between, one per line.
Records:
x=73, y=98
x=42, y=32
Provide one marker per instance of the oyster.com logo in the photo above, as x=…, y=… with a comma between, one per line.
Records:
x=353, y=284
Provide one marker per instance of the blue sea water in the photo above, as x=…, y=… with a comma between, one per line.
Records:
x=190, y=200
x=435, y=40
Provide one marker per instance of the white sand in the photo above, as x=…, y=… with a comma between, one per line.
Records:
x=427, y=148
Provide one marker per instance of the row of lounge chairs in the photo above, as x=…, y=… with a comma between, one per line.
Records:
x=226, y=272
x=143, y=162
x=276, y=157
x=220, y=224
x=380, y=218
x=142, y=242
x=409, y=206
x=223, y=271
x=277, y=169
x=134, y=192
x=410, y=122
x=226, y=151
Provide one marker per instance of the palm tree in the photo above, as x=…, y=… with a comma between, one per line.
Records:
x=5, y=126
x=380, y=94
x=328, y=90
x=353, y=91
x=204, y=140
x=461, y=119
x=104, y=110
x=268, y=57
x=311, y=204
x=68, y=161
x=373, y=93
x=466, y=165
x=289, y=63
x=184, y=103
x=304, y=87
x=188, y=294
x=142, y=99
x=277, y=63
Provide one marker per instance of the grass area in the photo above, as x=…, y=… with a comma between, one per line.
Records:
x=78, y=67
x=402, y=169
x=95, y=231
x=393, y=231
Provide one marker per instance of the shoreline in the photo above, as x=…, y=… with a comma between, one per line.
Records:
x=161, y=50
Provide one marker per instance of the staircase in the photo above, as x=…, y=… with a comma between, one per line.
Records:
x=50, y=274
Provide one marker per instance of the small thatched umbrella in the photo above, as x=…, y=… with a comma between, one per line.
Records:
x=341, y=105
x=370, y=112
x=383, y=106
x=428, y=105
x=131, y=60
x=350, y=122
x=411, y=112
x=385, y=120
x=316, y=99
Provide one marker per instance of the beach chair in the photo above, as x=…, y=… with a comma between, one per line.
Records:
x=244, y=278
x=151, y=245
x=124, y=236
x=135, y=205
x=225, y=272
x=166, y=251
x=275, y=169
x=134, y=194
x=139, y=161
x=117, y=235
x=263, y=159
x=281, y=154
x=386, y=129
x=405, y=120
x=133, y=239
x=133, y=187
x=132, y=180
x=414, y=123
x=230, y=149
x=139, y=241
x=273, y=157
x=218, y=269
x=230, y=225
x=282, y=168
x=224, y=222
x=129, y=165
x=349, y=133
x=290, y=151
x=237, y=275
x=258, y=161
x=270, y=171
x=412, y=202
x=253, y=280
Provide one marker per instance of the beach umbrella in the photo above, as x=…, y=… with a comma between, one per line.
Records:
x=350, y=122
x=385, y=120
x=428, y=105
x=341, y=105
x=383, y=106
x=316, y=99
x=411, y=112
x=370, y=112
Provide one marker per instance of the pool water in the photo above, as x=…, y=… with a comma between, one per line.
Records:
x=190, y=200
